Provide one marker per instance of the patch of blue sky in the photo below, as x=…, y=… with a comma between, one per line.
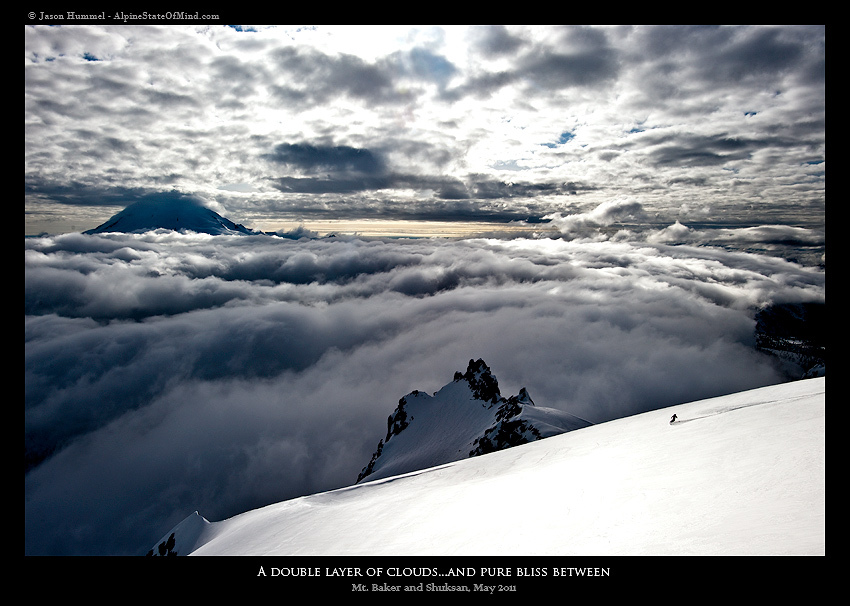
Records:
x=563, y=138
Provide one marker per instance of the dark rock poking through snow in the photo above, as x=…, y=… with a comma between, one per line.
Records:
x=466, y=418
x=795, y=333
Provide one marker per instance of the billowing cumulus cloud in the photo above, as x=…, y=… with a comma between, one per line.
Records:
x=607, y=213
x=167, y=373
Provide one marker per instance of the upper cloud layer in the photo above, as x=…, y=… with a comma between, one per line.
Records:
x=352, y=122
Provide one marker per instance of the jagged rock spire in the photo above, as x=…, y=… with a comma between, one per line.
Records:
x=484, y=385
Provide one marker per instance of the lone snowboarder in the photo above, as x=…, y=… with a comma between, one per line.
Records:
x=672, y=419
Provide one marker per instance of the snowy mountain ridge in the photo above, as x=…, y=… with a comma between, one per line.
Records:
x=741, y=474
x=465, y=418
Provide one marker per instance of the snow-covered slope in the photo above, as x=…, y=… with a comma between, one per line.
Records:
x=177, y=213
x=467, y=417
x=738, y=474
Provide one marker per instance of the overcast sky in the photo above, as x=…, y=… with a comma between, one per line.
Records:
x=486, y=122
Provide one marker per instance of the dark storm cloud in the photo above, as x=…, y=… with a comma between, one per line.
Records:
x=82, y=194
x=764, y=52
x=98, y=375
x=545, y=70
x=433, y=205
x=578, y=57
x=591, y=61
x=723, y=54
x=343, y=169
x=167, y=373
x=312, y=158
x=702, y=152
x=322, y=77
x=496, y=40
x=310, y=185
x=693, y=150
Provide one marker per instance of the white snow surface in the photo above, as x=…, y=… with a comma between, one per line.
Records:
x=742, y=474
x=443, y=427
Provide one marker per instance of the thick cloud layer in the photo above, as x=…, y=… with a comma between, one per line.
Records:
x=167, y=373
x=694, y=123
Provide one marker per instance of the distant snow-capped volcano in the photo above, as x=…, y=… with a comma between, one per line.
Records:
x=178, y=213
x=466, y=418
